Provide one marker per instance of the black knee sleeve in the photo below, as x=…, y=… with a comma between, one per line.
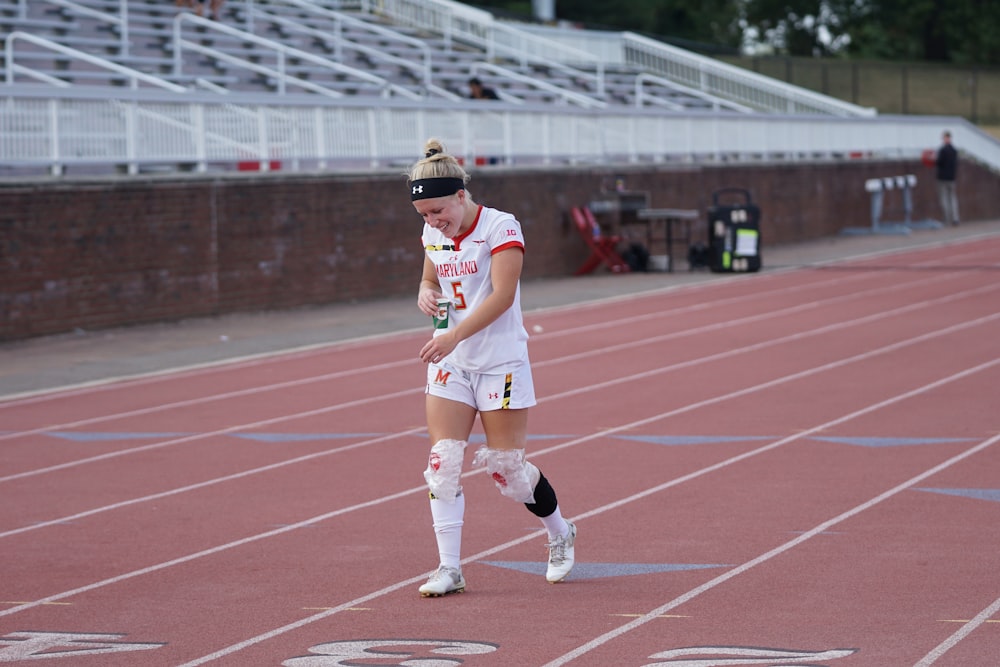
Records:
x=545, y=499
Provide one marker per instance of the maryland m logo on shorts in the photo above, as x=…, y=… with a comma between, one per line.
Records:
x=483, y=391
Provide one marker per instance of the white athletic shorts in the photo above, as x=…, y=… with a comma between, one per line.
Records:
x=484, y=392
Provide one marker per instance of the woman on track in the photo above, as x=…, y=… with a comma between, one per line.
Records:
x=477, y=362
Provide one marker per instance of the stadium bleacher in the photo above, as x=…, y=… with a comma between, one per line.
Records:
x=258, y=44
x=285, y=55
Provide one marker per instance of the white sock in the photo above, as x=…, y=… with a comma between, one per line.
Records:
x=448, y=520
x=555, y=524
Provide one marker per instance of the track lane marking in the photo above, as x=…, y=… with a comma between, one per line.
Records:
x=787, y=546
x=645, y=618
x=237, y=364
x=572, y=392
x=281, y=356
x=536, y=533
x=960, y=634
x=543, y=363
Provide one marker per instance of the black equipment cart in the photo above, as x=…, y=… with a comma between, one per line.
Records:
x=733, y=232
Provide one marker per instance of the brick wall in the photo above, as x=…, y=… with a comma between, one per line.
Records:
x=100, y=253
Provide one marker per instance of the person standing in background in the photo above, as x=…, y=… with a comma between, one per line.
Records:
x=947, y=169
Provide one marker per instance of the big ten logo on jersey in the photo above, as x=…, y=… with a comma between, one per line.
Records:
x=511, y=232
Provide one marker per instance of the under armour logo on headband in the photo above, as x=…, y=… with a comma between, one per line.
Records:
x=429, y=188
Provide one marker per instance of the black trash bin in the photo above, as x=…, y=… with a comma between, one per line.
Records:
x=733, y=232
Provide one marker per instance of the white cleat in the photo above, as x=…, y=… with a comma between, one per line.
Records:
x=561, y=555
x=445, y=580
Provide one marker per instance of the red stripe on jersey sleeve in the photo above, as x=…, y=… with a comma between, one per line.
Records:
x=510, y=244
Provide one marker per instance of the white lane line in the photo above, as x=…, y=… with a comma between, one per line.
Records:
x=209, y=482
x=572, y=392
x=306, y=350
x=850, y=262
x=192, y=370
x=282, y=356
x=629, y=345
x=990, y=287
x=645, y=618
x=422, y=489
x=210, y=434
x=202, y=400
x=777, y=551
x=960, y=634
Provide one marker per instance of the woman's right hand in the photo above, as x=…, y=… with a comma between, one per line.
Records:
x=427, y=301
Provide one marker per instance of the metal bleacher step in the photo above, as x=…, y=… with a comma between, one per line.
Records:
x=368, y=43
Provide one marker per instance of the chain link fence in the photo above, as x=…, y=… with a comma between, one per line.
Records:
x=892, y=87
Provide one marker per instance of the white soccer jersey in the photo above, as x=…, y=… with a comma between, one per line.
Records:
x=463, y=271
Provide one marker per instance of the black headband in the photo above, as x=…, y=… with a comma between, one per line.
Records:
x=428, y=188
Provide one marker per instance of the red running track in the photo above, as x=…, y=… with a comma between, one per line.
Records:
x=799, y=467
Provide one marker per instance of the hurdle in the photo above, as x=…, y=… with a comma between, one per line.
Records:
x=877, y=189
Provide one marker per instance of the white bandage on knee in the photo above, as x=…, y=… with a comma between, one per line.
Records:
x=444, y=469
x=515, y=477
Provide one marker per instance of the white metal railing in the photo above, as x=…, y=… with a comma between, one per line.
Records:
x=423, y=69
x=281, y=54
x=525, y=48
x=452, y=20
x=560, y=48
x=48, y=128
x=699, y=72
x=119, y=20
x=642, y=95
x=729, y=81
x=13, y=68
x=592, y=48
x=559, y=93
x=603, y=45
x=477, y=28
x=568, y=51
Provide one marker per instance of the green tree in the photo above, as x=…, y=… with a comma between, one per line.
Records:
x=709, y=21
x=799, y=27
x=959, y=31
